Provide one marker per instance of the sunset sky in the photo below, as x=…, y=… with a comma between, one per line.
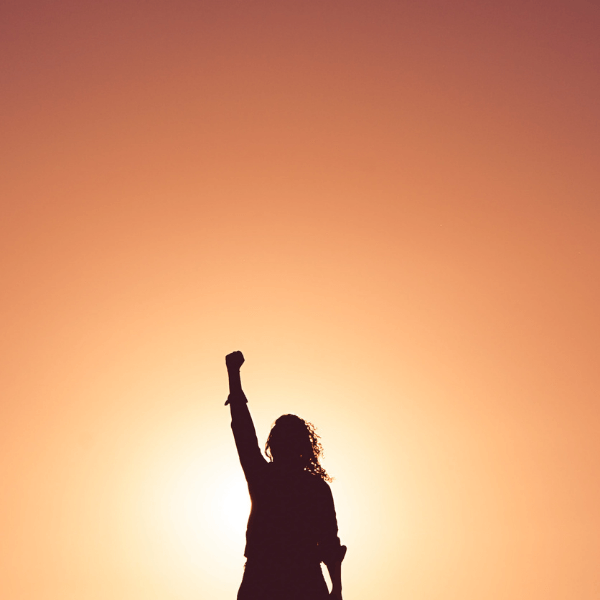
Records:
x=391, y=207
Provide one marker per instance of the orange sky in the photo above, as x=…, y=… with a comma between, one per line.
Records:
x=390, y=207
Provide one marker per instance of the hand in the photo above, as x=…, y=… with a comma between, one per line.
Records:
x=234, y=360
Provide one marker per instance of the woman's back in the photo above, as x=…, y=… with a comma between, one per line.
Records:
x=292, y=515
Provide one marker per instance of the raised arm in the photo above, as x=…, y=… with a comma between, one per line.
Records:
x=242, y=426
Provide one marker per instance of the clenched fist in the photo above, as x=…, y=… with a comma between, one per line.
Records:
x=234, y=360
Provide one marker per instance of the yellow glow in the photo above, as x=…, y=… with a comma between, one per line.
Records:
x=201, y=505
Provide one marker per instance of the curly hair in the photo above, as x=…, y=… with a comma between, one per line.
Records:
x=295, y=437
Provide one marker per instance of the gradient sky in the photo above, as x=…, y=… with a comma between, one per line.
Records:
x=392, y=208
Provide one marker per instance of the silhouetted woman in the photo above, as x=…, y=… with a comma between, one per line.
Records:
x=292, y=526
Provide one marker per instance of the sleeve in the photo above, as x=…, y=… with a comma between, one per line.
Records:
x=330, y=549
x=245, y=438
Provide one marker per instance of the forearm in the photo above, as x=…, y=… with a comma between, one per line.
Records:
x=333, y=561
x=235, y=381
x=238, y=404
x=335, y=574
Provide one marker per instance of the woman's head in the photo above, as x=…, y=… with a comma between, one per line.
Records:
x=294, y=442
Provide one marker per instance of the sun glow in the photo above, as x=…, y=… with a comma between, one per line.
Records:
x=207, y=502
x=191, y=510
